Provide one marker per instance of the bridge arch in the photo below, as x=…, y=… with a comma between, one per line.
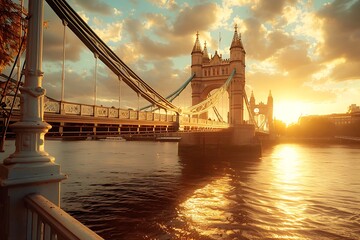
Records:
x=208, y=88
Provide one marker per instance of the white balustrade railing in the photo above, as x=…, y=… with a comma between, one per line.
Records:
x=67, y=108
x=46, y=221
x=87, y=110
x=156, y=117
x=102, y=112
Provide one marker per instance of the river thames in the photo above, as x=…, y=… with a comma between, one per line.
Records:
x=144, y=190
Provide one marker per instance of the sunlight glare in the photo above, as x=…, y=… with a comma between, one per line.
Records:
x=289, y=111
x=287, y=168
x=208, y=207
x=287, y=164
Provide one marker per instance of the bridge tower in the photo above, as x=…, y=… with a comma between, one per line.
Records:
x=211, y=73
x=263, y=113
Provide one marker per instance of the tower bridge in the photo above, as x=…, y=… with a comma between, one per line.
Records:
x=224, y=76
x=30, y=179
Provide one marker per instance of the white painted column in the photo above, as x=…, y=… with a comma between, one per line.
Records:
x=30, y=169
x=20, y=40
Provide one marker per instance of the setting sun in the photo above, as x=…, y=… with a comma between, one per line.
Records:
x=289, y=112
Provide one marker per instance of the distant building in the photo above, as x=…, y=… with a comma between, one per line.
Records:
x=353, y=109
x=350, y=117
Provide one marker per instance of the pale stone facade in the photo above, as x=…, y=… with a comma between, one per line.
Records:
x=212, y=73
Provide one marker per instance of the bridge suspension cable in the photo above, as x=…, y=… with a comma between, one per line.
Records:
x=107, y=56
x=251, y=115
x=218, y=115
x=174, y=94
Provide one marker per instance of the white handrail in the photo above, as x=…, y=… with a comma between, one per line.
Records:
x=46, y=221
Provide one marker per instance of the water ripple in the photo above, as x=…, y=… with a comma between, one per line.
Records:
x=145, y=191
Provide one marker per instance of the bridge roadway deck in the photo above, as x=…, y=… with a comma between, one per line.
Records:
x=73, y=119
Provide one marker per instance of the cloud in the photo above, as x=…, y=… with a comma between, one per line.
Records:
x=157, y=50
x=267, y=10
x=166, y=80
x=128, y=53
x=110, y=31
x=198, y=18
x=133, y=27
x=287, y=87
x=74, y=81
x=293, y=57
x=347, y=71
x=168, y=43
x=83, y=16
x=53, y=40
x=260, y=43
x=117, y=11
x=167, y=4
x=95, y=6
x=341, y=27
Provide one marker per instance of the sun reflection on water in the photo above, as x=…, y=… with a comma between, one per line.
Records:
x=206, y=211
x=288, y=169
x=287, y=164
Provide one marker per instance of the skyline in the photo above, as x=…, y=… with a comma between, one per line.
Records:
x=305, y=52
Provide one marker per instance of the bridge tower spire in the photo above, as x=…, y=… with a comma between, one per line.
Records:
x=196, y=67
x=196, y=57
x=237, y=87
x=206, y=58
x=252, y=101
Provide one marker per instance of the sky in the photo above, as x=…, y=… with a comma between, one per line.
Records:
x=306, y=52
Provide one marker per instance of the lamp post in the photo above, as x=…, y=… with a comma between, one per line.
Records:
x=30, y=169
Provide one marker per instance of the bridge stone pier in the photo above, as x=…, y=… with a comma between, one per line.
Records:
x=211, y=74
x=234, y=140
